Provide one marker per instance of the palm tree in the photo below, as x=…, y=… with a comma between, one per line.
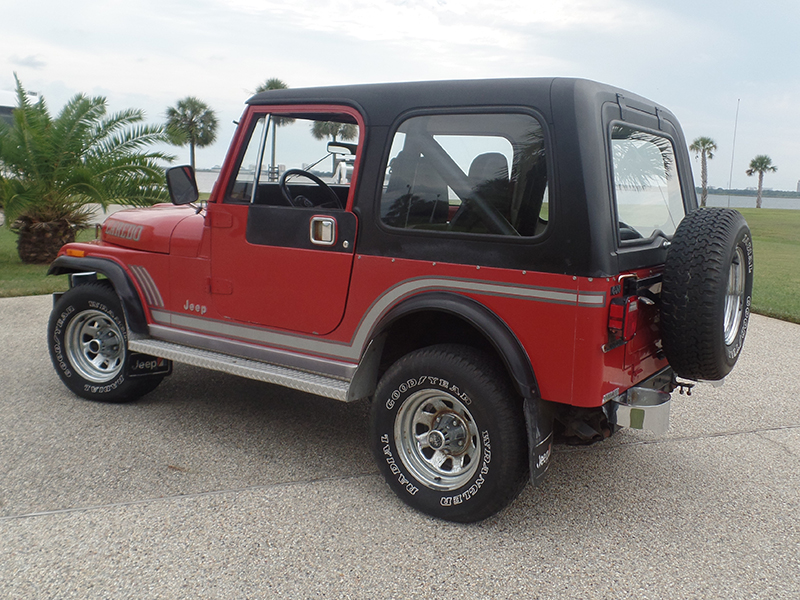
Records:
x=53, y=170
x=324, y=129
x=273, y=83
x=705, y=148
x=191, y=122
x=761, y=164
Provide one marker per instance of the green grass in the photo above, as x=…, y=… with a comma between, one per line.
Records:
x=776, y=247
x=18, y=279
x=776, y=242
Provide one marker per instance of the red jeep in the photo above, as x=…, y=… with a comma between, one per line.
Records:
x=489, y=261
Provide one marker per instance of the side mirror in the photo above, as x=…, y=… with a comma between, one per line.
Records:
x=182, y=185
x=342, y=148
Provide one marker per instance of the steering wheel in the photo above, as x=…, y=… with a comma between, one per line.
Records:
x=302, y=201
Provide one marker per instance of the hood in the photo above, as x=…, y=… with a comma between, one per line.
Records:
x=148, y=229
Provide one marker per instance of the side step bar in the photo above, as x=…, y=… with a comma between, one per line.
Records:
x=312, y=383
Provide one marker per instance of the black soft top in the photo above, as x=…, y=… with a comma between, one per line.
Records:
x=577, y=113
x=381, y=103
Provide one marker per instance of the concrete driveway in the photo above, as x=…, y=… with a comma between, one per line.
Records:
x=218, y=487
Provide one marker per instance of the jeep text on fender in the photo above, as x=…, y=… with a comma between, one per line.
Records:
x=493, y=263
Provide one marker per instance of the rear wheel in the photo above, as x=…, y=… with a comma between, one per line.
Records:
x=448, y=433
x=88, y=344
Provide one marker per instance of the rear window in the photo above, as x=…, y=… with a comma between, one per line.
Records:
x=646, y=184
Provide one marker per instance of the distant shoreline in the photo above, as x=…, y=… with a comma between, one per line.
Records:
x=751, y=193
x=207, y=177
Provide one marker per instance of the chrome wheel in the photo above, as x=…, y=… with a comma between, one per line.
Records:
x=734, y=296
x=437, y=439
x=95, y=346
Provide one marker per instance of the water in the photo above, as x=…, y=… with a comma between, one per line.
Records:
x=750, y=201
x=206, y=180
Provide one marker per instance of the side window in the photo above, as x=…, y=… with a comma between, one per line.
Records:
x=322, y=145
x=475, y=173
x=646, y=184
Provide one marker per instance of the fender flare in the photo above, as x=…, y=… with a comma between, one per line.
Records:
x=123, y=285
x=487, y=323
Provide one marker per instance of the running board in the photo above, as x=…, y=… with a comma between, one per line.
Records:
x=312, y=383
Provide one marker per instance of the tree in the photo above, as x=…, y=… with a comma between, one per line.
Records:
x=53, y=170
x=191, y=122
x=704, y=147
x=273, y=83
x=324, y=129
x=761, y=164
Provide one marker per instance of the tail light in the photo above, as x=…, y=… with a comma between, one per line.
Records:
x=623, y=320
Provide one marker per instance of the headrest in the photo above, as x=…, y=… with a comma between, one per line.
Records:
x=489, y=166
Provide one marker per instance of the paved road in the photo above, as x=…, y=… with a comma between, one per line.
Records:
x=217, y=487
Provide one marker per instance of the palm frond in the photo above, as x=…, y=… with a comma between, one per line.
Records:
x=129, y=140
x=54, y=169
x=115, y=123
x=72, y=127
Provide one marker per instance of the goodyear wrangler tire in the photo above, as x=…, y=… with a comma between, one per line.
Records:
x=448, y=433
x=706, y=293
x=88, y=344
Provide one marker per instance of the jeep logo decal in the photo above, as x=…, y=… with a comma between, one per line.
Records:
x=198, y=308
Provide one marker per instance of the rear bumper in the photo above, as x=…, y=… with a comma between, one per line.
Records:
x=645, y=406
x=641, y=408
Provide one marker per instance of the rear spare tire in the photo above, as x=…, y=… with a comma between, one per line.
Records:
x=706, y=293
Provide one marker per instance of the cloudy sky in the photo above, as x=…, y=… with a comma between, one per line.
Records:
x=698, y=58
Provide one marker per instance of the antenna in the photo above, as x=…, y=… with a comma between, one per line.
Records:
x=733, y=150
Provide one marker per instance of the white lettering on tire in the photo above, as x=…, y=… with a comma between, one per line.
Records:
x=412, y=383
x=401, y=479
x=62, y=364
x=476, y=486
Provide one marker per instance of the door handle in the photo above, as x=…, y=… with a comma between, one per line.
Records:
x=323, y=231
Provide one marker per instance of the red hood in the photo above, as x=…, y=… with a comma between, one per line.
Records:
x=147, y=229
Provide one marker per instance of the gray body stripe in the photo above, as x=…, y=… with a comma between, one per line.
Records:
x=148, y=285
x=352, y=350
x=254, y=334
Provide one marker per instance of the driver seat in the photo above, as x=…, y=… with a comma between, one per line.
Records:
x=416, y=194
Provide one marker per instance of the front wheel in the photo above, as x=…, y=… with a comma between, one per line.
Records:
x=88, y=344
x=448, y=433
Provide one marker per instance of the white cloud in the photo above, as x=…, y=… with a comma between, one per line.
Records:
x=463, y=22
x=695, y=58
x=32, y=61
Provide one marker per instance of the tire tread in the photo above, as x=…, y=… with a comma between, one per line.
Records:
x=694, y=281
